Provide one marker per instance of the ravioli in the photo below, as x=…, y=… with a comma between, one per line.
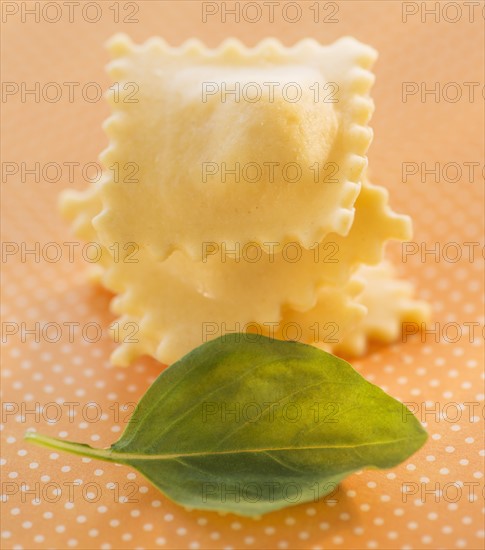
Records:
x=185, y=145
x=216, y=252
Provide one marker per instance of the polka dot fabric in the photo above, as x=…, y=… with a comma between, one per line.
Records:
x=57, y=378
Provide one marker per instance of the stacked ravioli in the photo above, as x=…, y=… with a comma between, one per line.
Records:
x=193, y=249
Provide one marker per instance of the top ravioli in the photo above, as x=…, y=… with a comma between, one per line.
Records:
x=233, y=145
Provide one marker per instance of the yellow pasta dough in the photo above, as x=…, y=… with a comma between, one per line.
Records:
x=389, y=303
x=184, y=143
x=287, y=259
x=381, y=303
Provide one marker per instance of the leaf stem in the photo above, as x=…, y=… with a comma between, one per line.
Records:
x=71, y=447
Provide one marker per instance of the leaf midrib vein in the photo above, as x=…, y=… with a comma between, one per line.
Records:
x=130, y=456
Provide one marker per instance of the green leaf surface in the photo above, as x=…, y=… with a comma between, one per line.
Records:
x=249, y=424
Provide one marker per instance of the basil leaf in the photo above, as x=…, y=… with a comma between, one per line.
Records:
x=250, y=424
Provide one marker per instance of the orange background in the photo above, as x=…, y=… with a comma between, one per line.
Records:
x=370, y=511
